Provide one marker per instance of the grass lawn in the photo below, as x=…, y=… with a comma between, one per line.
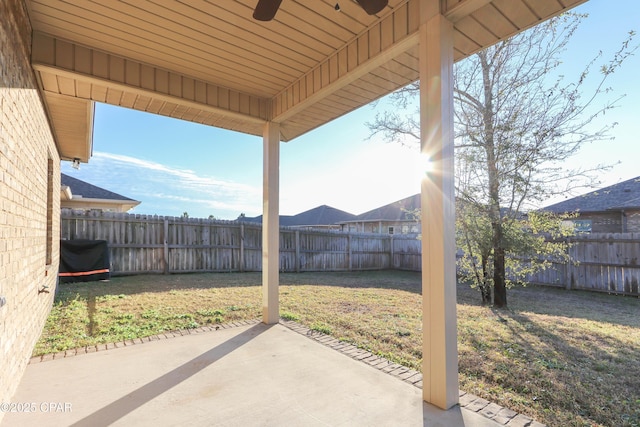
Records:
x=563, y=358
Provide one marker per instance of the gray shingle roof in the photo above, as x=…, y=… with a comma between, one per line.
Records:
x=321, y=215
x=89, y=191
x=326, y=215
x=396, y=211
x=624, y=195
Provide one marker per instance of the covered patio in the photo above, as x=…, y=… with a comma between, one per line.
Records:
x=249, y=374
x=212, y=63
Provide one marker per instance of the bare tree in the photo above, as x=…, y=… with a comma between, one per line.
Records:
x=516, y=126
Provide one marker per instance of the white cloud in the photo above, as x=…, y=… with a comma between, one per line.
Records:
x=187, y=177
x=167, y=190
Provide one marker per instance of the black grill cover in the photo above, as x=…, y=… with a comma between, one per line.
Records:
x=83, y=260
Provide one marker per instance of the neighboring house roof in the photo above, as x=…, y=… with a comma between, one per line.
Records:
x=401, y=210
x=628, y=204
x=90, y=191
x=624, y=195
x=79, y=194
x=319, y=216
x=324, y=215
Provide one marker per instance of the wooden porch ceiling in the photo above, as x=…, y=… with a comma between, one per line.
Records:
x=210, y=62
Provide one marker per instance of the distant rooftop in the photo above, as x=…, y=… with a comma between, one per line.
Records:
x=89, y=191
x=321, y=215
x=80, y=195
x=400, y=210
x=623, y=195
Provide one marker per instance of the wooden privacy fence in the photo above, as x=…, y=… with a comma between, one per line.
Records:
x=154, y=244
x=598, y=262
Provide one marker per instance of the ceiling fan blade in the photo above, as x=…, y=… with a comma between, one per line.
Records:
x=372, y=6
x=266, y=9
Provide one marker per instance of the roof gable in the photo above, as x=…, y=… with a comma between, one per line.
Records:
x=321, y=215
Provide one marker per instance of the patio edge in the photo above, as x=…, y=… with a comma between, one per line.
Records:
x=473, y=403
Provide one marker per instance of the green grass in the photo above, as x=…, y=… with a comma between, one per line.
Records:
x=565, y=358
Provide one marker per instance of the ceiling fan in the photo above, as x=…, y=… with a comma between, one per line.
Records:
x=266, y=9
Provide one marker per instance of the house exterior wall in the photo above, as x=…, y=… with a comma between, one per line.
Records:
x=382, y=227
x=605, y=222
x=633, y=222
x=29, y=201
x=94, y=204
x=612, y=222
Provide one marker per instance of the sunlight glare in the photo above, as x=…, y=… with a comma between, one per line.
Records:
x=426, y=165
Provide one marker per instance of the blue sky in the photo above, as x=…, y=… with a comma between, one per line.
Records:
x=173, y=166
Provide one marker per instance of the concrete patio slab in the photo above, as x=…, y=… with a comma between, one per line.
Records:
x=251, y=375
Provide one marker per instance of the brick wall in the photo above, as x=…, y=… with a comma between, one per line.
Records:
x=29, y=198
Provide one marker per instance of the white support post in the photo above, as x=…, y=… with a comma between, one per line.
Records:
x=439, y=347
x=270, y=223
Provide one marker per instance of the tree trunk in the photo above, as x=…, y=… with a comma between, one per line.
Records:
x=485, y=288
x=493, y=174
x=499, y=285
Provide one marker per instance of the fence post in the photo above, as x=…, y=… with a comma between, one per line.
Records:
x=297, y=243
x=241, y=266
x=166, y=247
x=569, y=270
x=392, y=262
x=349, y=252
